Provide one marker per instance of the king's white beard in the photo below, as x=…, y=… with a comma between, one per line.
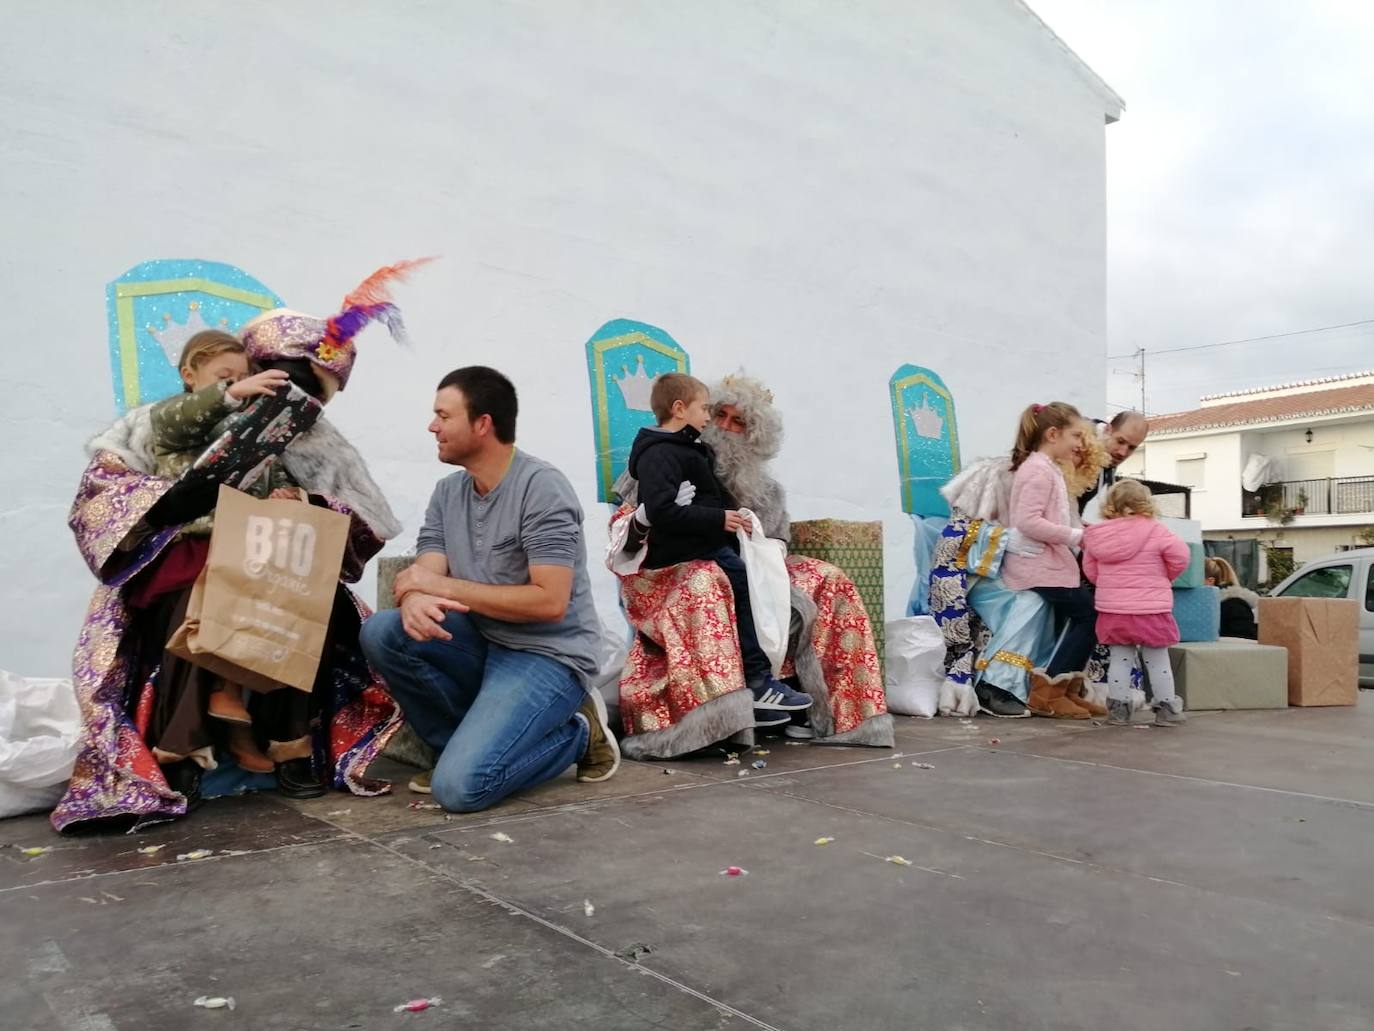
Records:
x=743, y=473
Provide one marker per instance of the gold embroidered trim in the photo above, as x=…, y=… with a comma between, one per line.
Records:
x=1010, y=658
x=990, y=552
x=970, y=535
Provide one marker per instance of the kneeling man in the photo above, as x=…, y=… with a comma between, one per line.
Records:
x=496, y=633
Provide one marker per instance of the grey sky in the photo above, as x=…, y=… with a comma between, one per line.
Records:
x=1238, y=187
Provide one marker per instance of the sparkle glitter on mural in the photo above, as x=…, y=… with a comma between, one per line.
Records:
x=157, y=306
x=623, y=360
x=927, y=438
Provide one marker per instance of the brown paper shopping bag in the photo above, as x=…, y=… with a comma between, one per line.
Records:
x=259, y=612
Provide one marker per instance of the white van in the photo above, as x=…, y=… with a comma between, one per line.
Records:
x=1346, y=574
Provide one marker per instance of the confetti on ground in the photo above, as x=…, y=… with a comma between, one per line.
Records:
x=337, y=812
x=669, y=773
x=762, y=751
x=200, y=853
x=215, y=1002
x=994, y=740
x=823, y=841
x=732, y=761
x=1142, y=726
x=734, y=871
x=759, y=764
x=631, y=953
x=417, y=1005
x=742, y=773
x=151, y=850
x=587, y=907
x=33, y=853
x=923, y=766
x=417, y=804
x=795, y=744
x=502, y=837
x=898, y=860
x=437, y=844
x=896, y=766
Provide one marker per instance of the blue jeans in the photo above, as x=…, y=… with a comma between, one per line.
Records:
x=757, y=668
x=1074, y=606
x=500, y=720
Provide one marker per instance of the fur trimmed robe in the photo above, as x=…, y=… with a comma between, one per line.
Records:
x=116, y=775
x=682, y=688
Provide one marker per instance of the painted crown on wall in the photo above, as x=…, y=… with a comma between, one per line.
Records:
x=927, y=420
x=636, y=388
x=173, y=336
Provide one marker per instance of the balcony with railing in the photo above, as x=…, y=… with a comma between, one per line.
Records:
x=1345, y=495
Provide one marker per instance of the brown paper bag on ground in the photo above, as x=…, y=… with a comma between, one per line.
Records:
x=259, y=611
x=1322, y=638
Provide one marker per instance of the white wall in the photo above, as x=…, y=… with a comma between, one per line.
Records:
x=815, y=191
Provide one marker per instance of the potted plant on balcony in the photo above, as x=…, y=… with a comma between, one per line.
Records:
x=1272, y=507
x=1270, y=500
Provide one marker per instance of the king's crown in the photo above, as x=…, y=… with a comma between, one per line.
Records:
x=636, y=387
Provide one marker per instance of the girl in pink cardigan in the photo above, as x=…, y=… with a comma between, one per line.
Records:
x=1049, y=435
x=1133, y=559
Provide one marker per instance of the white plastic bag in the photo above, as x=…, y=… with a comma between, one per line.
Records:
x=915, y=666
x=40, y=735
x=770, y=591
x=613, y=647
x=620, y=561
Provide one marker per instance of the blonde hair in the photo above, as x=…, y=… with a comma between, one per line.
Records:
x=672, y=387
x=1128, y=498
x=207, y=344
x=1221, y=571
x=1085, y=469
x=1035, y=421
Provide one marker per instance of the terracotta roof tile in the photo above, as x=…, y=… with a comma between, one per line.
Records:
x=1269, y=409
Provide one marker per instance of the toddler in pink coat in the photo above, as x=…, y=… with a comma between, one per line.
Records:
x=1133, y=559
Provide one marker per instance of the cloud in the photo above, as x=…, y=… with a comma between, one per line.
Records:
x=1237, y=186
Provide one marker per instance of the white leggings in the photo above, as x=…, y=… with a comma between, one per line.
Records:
x=1157, y=667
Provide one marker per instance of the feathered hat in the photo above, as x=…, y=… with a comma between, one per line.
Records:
x=328, y=343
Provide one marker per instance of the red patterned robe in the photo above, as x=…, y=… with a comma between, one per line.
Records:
x=683, y=684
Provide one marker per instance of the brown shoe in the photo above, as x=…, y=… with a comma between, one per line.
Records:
x=602, y=757
x=247, y=753
x=1078, y=695
x=1041, y=691
x=225, y=704
x=422, y=783
x=1048, y=697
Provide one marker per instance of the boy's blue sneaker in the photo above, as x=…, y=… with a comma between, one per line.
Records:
x=770, y=718
x=772, y=693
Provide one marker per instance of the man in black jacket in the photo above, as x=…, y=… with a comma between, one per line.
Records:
x=662, y=460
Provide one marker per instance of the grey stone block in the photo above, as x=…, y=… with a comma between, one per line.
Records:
x=406, y=746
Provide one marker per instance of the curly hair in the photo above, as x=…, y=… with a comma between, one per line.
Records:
x=1128, y=498
x=1084, y=472
x=753, y=401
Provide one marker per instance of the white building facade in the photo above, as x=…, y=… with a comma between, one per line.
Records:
x=815, y=192
x=1309, y=451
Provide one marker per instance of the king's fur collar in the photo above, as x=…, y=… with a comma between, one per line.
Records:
x=1236, y=591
